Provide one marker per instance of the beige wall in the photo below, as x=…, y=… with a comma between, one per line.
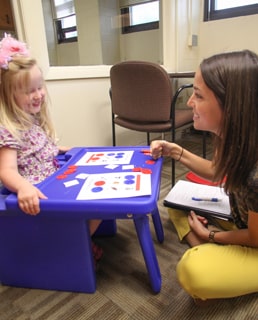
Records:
x=228, y=35
x=99, y=38
x=80, y=101
x=82, y=115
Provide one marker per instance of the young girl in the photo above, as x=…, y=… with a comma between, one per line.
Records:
x=224, y=259
x=27, y=137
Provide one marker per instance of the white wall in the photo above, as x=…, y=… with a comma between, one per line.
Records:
x=76, y=103
x=89, y=37
x=141, y=46
x=109, y=30
x=99, y=37
x=80, y=101
x=228, y=34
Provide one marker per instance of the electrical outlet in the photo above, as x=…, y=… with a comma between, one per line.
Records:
x=193, y=40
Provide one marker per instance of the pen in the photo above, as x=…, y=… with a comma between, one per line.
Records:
x=206, y=199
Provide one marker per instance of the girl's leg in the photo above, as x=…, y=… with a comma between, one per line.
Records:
x=212, y=271
x=96, y=250
x=93, y=226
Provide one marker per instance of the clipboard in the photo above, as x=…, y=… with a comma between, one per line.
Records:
x=180, y=197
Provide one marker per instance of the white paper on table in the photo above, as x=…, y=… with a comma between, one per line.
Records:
x=103, y=158
x=115, y=185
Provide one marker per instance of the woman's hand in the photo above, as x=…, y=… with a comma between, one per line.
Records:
x=28, y=198
x=198, y=225
x=160, y=148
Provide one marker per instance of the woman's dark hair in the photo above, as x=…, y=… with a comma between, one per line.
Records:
x=233, y=78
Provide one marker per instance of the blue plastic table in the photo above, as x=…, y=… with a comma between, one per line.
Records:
x=53, y=249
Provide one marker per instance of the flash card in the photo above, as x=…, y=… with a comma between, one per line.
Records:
x=105, y=158
x=71, y=183
x=115, y=185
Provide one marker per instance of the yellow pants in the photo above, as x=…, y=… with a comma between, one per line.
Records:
x=211, y=271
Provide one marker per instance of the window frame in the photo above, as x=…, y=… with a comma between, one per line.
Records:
x=60, y=32
x=211, y=14
x=125, y=22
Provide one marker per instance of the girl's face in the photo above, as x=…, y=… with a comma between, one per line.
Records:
x=206, y=109
x=30, y=99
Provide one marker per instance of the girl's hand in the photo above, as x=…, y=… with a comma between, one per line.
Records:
x=198, y=225
x=63, y=149
x=28, y=198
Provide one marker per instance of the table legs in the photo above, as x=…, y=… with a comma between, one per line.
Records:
x=55, y=254
x=144, y=235
x=158, y=225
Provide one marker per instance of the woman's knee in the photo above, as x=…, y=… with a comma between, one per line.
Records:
x=190, y=272
x=210, y=271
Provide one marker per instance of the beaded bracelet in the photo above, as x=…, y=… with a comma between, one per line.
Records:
x=181, y=155
x=212, y=235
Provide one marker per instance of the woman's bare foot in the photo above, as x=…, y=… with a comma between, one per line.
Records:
x=205, y=303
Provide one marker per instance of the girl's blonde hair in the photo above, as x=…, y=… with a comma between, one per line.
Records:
x=12, y=117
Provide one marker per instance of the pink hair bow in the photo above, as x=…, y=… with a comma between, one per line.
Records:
x=10, y=47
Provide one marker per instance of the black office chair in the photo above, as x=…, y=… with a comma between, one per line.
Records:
x=142, y=99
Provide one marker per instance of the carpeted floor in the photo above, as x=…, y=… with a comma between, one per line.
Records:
x=123, y=288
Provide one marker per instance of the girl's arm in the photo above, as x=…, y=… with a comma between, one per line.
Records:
x=28, y=195
x=200, y=166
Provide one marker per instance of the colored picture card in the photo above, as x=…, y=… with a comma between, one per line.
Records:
x=104, y=158
x=115, y=185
